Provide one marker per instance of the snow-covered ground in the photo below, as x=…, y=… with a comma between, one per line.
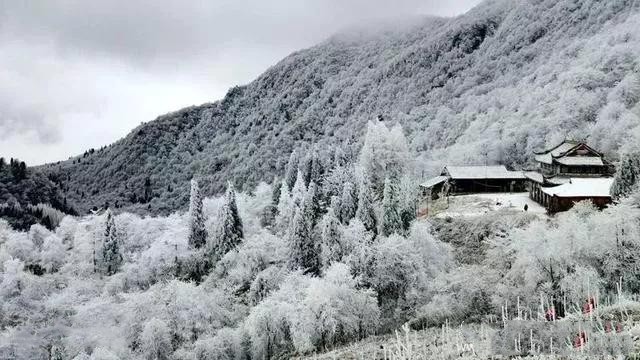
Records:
x=481, y=204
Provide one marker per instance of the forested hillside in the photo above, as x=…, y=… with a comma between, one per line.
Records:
x=489, y=86
x=28, y=196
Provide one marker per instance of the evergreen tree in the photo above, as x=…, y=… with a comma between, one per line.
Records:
x=229, y=230
x=312, y=168
x=112, y=258
x=627, y=175
x=291, y=170
x=286, y=210
x=304, y=248
x=348, y=203
x=299, y=189
x=408, y=201
x=366, y=211
x=391, y=221
x=311, y=205
x=330, y=230
x=276, y=188
x=197, y=231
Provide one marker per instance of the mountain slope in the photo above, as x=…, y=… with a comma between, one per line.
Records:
x=488, y=86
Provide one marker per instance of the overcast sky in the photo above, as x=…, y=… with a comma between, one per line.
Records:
x=77, y=74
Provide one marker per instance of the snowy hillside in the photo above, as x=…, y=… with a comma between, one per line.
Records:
x=488, y=86
x=329, y=256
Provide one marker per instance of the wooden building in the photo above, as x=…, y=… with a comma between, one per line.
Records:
x=474, y=179
x=570, y=172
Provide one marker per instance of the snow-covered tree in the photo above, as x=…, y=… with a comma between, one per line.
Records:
x=627, y=175
x=304, y=249
x=385, y=153
x=331, y=242
x=311, y=205
x=53, y=254
x=312, y=167
x=299, y=189
x=286, y=210
x=391, y=222
x=291, y=170
x=366, y=211
x=155, y=340
x=197, y=231
x=348, y=203
x=111, y=253
x=229, y=231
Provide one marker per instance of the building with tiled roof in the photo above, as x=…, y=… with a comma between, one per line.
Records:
x=569, y=172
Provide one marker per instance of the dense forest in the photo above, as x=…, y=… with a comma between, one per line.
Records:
x=489, y=86
x=29, y=196
x=329, y=254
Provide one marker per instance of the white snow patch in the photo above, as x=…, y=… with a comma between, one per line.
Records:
x=481, y=204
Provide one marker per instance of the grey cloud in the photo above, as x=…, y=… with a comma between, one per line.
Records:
x=149, y=30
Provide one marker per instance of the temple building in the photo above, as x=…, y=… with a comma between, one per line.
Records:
x=474, y=179
x=570, y=172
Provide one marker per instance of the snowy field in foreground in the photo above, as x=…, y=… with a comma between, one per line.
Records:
x=481, y=204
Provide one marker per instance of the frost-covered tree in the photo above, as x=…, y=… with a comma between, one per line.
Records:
x=408, y=193
x=385, y=153
x=348, y=203
x=391, y=222
x=311, y=205
x=286, y=210
x=229, y=231
x=627, y=175
x=291, y=170
x=303, y=245
x=331, y=242
x=53, y=254
x=111, y=253
x=366, y=211
x=299, y=189
x=312, y=167
x=197, y=231
x=155, y=340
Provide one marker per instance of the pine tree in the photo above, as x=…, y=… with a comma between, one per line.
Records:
x=197, y=231
x=348, y=203
x=391, y=221
x=627, y=176
x=291, y=170
x=229, y=230
x=311, y=205
x=330, y=230
x=276, y=188
x=299, y=189
x=366, y=211
x=286, y=210
x=312, y=169
x=304, y=249
x=112, y=259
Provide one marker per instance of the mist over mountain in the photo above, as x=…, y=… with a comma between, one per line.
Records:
x=489, y=86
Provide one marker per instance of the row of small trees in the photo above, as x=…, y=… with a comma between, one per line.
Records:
x=206, y=248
